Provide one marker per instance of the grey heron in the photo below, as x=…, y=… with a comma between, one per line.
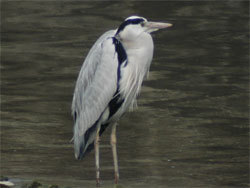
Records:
x=109, y=82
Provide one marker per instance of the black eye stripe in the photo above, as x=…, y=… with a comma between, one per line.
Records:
x=128, y=22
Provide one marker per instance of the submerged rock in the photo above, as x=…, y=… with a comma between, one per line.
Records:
x=35, y=184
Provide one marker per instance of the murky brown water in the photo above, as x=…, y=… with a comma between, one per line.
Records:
x=191, y=127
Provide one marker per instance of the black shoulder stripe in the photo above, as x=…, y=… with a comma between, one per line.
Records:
x=122, y=58
x=122, y=55
x=117, y=100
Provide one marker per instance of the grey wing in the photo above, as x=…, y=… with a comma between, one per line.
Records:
x=95, y=87
x=89, y=68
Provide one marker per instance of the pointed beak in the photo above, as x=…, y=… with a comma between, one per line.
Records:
x=154, y=26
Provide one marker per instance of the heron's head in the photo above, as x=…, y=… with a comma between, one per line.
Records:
x=134, y=26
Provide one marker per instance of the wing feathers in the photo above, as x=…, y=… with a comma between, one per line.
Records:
x=95, y=88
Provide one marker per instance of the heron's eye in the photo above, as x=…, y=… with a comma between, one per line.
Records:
x=143, y=24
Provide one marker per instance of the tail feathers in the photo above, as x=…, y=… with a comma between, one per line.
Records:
x=84, y=143
x=81, y=149
x=79, y=146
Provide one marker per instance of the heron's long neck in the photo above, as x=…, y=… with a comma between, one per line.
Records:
x=140, y=51
x=139, y=56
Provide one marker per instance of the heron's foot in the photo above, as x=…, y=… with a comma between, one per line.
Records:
x=98, y=182
x=116, y=178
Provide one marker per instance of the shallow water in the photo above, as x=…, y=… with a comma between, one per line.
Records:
x=191, y=127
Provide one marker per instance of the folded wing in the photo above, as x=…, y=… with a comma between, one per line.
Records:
x=95, y=88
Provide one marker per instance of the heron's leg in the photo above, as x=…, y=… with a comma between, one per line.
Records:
x=113, y=144
x=97, y=164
